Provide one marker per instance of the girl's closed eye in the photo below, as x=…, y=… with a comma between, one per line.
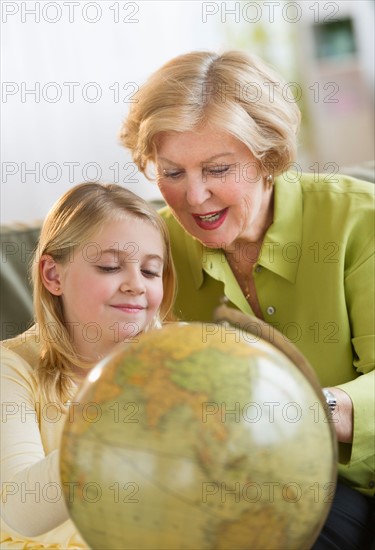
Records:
x=108, y=268
x=150, y=274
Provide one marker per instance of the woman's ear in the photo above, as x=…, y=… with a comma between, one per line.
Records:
x=50, y=273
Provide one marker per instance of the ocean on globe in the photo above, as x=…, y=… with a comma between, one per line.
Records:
x=198, y=437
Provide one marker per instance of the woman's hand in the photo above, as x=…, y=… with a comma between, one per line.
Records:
x=343, y=416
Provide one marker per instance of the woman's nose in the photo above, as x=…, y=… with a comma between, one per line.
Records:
x=197, y=190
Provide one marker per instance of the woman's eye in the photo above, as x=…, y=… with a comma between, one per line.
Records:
x=218, y=170
x=173, y=174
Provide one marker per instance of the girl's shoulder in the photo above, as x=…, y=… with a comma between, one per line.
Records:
x=23, y=349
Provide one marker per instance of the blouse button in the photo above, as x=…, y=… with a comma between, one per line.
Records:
x=271, y=310
x=258, y=268
x=371, y=484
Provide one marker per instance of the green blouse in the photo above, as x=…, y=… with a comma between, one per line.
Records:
x=315, y=283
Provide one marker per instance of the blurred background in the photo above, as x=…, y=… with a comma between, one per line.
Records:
x=70, y=69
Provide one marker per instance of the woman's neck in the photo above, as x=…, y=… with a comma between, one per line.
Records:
x=244, y=251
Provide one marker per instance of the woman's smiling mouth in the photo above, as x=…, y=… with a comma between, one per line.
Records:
x=210, y=220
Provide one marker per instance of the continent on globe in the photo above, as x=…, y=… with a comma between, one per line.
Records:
x=191, y=438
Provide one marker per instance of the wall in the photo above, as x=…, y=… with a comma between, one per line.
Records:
x=83, y=73
x=69, y=69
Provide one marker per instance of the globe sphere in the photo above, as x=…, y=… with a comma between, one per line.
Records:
x=198, y=437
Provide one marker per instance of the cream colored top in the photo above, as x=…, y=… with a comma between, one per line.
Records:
x=33, y=511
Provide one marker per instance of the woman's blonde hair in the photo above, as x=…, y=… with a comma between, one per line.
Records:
x=234, y=92
x=78, y=214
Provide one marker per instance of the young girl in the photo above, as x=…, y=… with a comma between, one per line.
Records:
x=102, y=274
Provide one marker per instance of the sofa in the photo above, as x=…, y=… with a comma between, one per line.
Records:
x=18, y=242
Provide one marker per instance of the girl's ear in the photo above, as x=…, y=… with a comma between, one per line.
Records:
x=50, y=273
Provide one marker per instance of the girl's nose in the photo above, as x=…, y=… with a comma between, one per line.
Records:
x=133, y=282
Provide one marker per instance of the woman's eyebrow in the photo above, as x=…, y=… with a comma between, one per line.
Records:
x=224, y=154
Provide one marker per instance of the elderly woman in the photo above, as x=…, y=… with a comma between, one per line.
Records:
x=293, y=249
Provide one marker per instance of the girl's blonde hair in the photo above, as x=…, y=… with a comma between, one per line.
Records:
x=234, y=92
x=77, y=215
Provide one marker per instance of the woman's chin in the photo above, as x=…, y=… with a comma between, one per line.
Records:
x=215, y=238
x=212, y=242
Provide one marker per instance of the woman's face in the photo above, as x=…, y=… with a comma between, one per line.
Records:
x=214, y=186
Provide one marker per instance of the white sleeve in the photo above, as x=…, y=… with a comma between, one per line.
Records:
x=30, y=480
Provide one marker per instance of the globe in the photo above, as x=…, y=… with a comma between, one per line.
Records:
x=197, y=436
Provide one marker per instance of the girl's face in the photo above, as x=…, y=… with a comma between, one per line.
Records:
x=214, y=186
x=112, y=287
